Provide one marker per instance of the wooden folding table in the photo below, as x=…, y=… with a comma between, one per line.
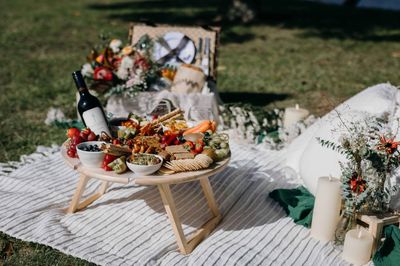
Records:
x=163, y=182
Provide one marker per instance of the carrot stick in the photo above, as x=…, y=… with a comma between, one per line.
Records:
x=202, y=127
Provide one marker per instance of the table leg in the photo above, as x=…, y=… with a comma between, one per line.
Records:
x=172, y=213
x=83, y=179
x=75, y=204
x=209, y=226
x=209, y=194
x=103, y=187
x=187, y=245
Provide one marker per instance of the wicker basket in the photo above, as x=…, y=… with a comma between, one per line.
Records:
x=136, y=31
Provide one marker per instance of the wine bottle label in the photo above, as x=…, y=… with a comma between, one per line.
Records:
x=94, y=119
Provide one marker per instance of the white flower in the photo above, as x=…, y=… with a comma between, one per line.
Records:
x=115, y=45
x=87, y=70
x=54, y=114
x=135, y=79
x=125, y=67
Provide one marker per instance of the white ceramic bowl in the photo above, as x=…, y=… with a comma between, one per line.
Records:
x=145, y=169
x=92, y=159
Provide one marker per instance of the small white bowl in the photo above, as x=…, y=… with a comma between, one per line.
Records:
x=92, y=159
x=145, y=169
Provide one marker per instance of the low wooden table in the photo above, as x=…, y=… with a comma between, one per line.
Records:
x=163, y=182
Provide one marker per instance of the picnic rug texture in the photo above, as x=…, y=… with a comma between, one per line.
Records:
x=128, y=225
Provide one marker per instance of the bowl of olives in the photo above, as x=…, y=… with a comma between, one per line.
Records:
x=90, y=154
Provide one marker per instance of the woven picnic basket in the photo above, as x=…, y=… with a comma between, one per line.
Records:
x=137, y=30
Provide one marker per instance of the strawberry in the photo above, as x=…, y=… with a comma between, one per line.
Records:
x=85, y=133
x=73, y=131
x=75, y=140
x=108, y=159
x=92, y=136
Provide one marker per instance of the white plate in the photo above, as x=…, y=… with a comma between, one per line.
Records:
x=173, y=39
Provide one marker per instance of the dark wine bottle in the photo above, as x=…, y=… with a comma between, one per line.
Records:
x=89, y=107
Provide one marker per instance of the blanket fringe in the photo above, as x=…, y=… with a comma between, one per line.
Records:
x=40, y=153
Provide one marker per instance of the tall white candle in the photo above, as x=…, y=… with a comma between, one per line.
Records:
x=326, y=209
x=294, y=115
x=357, y=246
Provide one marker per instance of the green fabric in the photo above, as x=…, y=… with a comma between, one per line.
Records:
x=298, y=204
x=389, y=253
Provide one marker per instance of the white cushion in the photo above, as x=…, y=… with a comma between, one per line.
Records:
x=296, y=148
x=317, y=161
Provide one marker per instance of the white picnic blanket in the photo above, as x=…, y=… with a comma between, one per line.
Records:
x=128, y=225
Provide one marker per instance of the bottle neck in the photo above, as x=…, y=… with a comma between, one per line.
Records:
x=80, y=83
x=83, y=91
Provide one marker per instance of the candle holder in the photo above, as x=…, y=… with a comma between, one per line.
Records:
x=348, y=221
x=376, y=223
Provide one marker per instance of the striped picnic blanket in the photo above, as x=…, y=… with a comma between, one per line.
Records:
x=128, y=225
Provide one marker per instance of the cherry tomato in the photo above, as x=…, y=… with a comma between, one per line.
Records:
x=71, y=153
x=200, y=142
x=188, y=145
x=164, y=139
x=167, y=133
x=198, y=148
x=171, y=139
x=115, y=141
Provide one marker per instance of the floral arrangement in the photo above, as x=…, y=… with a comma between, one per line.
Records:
x=114, y=69
x=258, y=125
x=373, y=156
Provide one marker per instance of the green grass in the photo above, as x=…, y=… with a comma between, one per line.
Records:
x=297, y=52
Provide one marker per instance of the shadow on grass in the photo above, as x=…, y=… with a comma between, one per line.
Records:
x=256, y=99
x=317, y=20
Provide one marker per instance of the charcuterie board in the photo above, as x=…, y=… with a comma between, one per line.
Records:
x=130, y=177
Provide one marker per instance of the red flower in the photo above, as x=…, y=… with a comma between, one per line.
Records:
x=102, y=73
x=142, y=63
x=357, y=183
x=388, y=145
x=116, y=62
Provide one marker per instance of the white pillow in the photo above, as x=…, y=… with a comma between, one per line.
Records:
x=317, y=161
x=296, y=148
x=374, y=100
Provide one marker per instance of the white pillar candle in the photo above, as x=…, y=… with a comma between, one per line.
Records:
x=294, y=115
x=357, y=246
x=326, y=209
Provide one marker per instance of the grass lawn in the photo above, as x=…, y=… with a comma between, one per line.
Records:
x=297, y=52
